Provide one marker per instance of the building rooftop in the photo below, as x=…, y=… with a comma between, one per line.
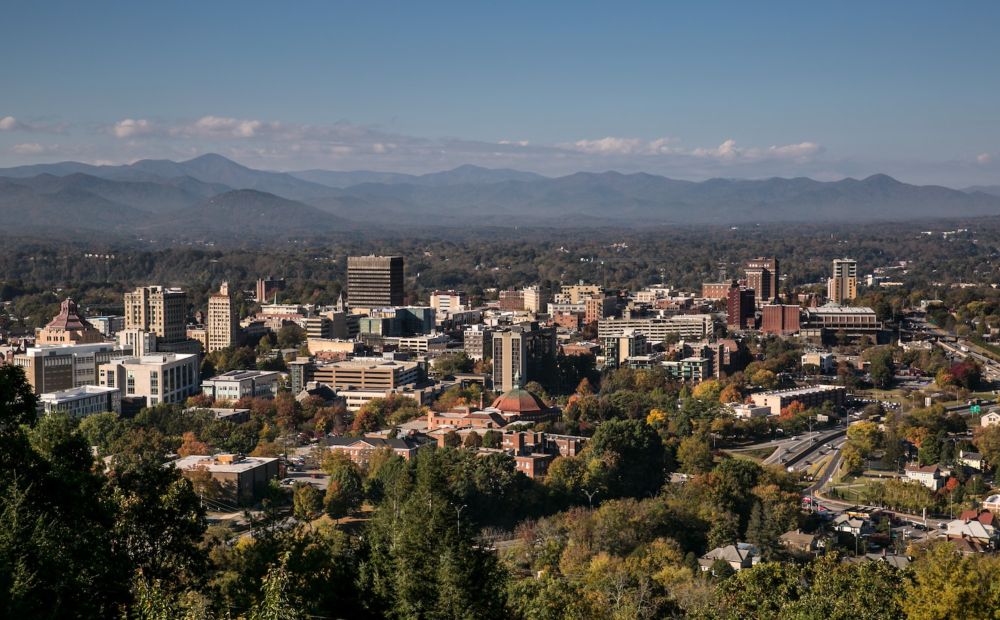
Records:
x=72, y=394
x=239, y=375
x=68, y=318
x=815, y=389
x=221, y=463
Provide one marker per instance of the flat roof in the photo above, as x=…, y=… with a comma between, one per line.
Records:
x=210, y=463
x=76, y=393
x=239, y=375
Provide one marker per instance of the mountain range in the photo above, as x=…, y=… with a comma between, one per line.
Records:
x=212, y=196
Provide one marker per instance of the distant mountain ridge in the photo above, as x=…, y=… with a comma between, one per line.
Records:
x=211, y=194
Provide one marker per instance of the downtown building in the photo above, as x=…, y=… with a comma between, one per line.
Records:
x=222, y=323
x=374, y=281
x=762, y=276
x=519, y=352
x=843, y=283
x=659, y=329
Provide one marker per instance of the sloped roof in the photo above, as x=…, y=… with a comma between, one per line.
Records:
x=68, y=318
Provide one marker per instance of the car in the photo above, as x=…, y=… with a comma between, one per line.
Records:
x=287, y=482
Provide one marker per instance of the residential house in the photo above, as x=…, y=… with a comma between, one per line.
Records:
x=928, y=475
x=739, y=556
x=973, y=460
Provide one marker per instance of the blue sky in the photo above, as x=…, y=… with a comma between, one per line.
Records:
x=690, y=90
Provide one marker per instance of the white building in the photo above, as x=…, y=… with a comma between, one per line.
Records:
x=929, y=475
x=237, y=384
x=82, y=401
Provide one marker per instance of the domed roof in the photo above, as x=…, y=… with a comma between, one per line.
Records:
x=519, y=400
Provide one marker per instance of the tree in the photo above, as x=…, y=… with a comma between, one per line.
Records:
x=492, y=439
x=694, y=456
x=473, y=441
x=987, y=440
x=344, y=491
x=192, y=446
x=307, y=501
x=881, y=366
x=452, y=439
x=631, y=456
x=707, y=390
x=731, y=394
x=290, y=336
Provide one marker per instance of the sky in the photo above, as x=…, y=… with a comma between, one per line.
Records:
x=688, y=90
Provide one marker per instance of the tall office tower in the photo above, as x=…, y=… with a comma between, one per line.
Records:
x=374, y=281
x=157, y=309
x=762, y=276
x=222, y=325
x=739, y=307
x=267, y=287
x=844, y=283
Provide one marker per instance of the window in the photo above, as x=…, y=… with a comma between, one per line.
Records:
x=154, y=382
x=130, y=382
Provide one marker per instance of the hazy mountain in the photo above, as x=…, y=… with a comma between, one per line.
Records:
x=642, y=199
x=993, y=190
x=211, y=194
x=62, y=211
x=212, y=168
x=247, y=213
x=156, y=197
x=457, y=176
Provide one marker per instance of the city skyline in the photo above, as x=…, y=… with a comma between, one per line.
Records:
x=685, y=92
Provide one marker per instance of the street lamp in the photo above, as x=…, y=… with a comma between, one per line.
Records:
x=458, y=517
x=590, y=496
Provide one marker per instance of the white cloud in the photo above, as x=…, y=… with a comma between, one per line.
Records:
x=29, y=148
x=131, y=127
x=8, y=123
x=984, y=158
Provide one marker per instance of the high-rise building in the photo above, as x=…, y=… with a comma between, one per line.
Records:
x=740, y=304
x=266, y=288
x=762, y=276
x=843, y=285
x=68, y=327
x=222, y=325
x=157, y=309
x=519, y=352
x=374, y=281
x=478, y=342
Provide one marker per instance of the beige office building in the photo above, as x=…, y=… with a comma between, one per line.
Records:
x=56, y=368
x=843, y=285
x=222, y=324
x=365, y=373
x=157, y=309
x=156, y=378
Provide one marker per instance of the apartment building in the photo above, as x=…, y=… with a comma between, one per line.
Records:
x=843, y=283
x=517, y=353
